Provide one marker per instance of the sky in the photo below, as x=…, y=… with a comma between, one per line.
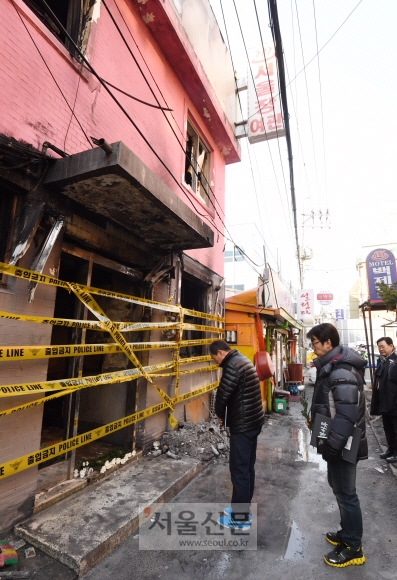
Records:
x=343, y=138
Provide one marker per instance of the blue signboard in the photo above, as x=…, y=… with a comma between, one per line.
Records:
x=381, y=267
x=339, y=314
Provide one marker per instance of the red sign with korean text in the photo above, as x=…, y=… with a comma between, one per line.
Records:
x=265, y=119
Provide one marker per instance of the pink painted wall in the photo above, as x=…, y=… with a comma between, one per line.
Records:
x=32, y=108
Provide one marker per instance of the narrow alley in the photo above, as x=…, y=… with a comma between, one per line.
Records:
x=295, y=510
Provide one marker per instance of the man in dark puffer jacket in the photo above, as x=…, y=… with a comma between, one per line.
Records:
x=238, y=405
x=338, y=393
x=384, y=395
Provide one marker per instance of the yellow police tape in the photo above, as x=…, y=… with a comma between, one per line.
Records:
x=32, y=276
x=121, y=326
x=83, y=293
x=12, y=390
x=38, y=387
x=105, y=379
x=188, y=372
x=66, y=350
x=31, y=459
x=92, y=324
x=108, y=325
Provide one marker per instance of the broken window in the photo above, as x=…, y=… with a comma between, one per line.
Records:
x=197, y=165
x=7, y=209
x=72, y=14
x=193, y=297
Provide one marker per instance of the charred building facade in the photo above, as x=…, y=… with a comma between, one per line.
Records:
x=117, y=121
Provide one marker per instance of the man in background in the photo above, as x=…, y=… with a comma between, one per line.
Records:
x=384, y=395
x=238, y=405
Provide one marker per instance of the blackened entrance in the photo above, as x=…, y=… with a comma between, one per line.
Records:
x=94, y=406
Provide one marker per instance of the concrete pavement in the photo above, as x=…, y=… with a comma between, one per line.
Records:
x=81, y=529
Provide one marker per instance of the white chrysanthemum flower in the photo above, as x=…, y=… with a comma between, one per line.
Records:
x=118, y=460
x=103, y=469
x=76, y=473
x=107, y=463
x=133, y=453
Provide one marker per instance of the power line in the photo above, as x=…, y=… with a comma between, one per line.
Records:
x=275, y=28
x=52, y=76
x=328, y=41
x=74, y=106
x=248, y=147
x=136, y=61
x=308, y=102
x=93, y=71
x=136, y=98
x=263, y=122
x=322, y=48
x=271, y=92
x=158, y=102
x=241, y=111
x=299, y=135
x=295, y=105
x=154, y=95
x=321, y=105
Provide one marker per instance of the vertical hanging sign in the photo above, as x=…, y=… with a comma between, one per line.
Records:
x=265, y=119
x=305, y=303
x=339, y=314
x=381, y=267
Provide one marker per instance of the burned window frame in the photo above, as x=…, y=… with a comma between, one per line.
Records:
x=193, y=288
x=197, y=164
x=79, y=16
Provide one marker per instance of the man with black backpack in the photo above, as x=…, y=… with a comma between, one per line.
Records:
x=338, y=393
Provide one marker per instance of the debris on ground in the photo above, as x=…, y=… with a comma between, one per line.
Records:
x=30, y=552
x=203, y=441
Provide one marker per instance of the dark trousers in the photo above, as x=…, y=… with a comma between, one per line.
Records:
x=390, y=427
x=342, y=479
x=242, y=471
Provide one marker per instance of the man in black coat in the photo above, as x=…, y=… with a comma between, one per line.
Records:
x=338, y=393
x=384, y=395
x=238, y=405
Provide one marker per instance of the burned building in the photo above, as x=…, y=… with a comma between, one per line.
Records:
x=117, y=121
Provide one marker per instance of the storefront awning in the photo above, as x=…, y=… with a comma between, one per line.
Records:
x=247, y=301
x=120, y=187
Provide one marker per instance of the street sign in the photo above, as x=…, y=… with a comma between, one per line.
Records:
x=381, y=267
x=339, y=314
x=325, y=297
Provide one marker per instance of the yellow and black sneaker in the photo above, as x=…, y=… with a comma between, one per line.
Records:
x=343, y=556
x=334, y=538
